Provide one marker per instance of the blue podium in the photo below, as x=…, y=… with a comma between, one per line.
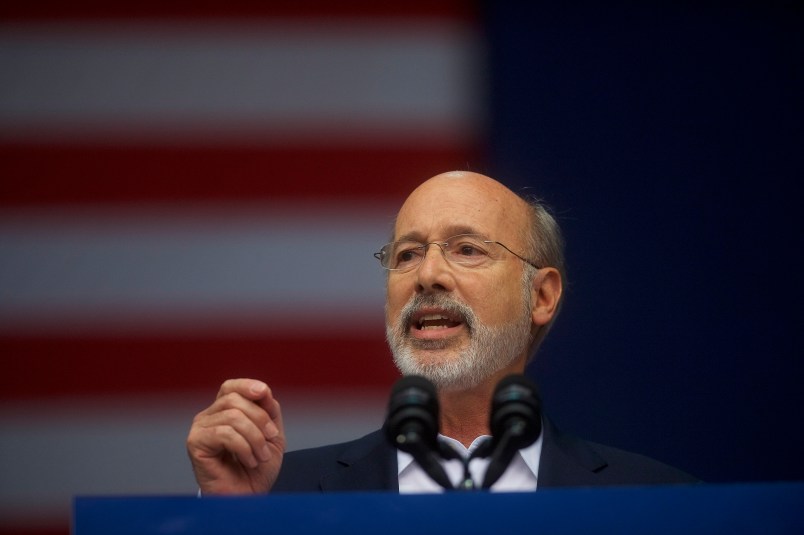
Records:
x=732, y=509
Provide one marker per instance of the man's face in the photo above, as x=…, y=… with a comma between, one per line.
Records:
x=453, y=324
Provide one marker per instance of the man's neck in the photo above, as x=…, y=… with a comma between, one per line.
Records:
x=465, y=414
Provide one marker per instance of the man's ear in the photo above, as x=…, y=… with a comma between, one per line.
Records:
x=545, y=295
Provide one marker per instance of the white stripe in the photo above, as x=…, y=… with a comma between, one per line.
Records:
x=52, y=451
x=274, y=266
x=275, y=78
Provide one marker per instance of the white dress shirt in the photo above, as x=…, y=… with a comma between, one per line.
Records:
x=521, y=474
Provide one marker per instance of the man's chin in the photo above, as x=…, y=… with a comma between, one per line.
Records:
x=429, y=362
x=446, y=372
x=434, y=351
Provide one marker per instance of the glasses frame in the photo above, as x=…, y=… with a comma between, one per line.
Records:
x=442, y=245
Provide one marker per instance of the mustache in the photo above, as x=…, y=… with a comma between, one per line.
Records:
x=449, y=304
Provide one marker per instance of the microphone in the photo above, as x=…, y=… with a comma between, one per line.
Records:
x=515, y=424
x=412, y=424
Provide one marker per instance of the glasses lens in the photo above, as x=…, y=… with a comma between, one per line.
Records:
x=401, y=255
x=468, y=250
x=404, y=254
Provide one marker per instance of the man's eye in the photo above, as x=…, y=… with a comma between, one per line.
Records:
x=407, y=255
x=469, y=250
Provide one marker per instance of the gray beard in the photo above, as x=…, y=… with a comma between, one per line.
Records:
x=490, y=348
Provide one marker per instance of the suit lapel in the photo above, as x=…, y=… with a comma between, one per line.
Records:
x=369, y=464
x=566, y=461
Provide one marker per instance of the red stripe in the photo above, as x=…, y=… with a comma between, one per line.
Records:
x=48, y=174
x=35, y=367
x=289, y=9
x=65, y=530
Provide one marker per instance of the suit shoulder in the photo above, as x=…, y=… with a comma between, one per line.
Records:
x=629, y=468
x=570, y=461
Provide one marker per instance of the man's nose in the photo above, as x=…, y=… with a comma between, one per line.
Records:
x=435, y=272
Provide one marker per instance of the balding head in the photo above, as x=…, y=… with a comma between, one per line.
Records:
x=463, y=202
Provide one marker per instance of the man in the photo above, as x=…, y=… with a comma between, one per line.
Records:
x=474, y=282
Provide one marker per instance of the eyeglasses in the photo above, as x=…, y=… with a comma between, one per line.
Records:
x=468, y=250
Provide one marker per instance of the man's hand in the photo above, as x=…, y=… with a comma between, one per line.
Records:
x=236, y=444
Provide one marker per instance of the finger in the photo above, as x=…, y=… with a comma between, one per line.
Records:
x=249, y=388
x=275, y=413
x=231, y=430
x=234, y=406
x=254, y=434
x=258, y=392
x=234, y=443
x=206, y=442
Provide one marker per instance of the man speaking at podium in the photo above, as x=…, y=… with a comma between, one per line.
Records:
x=474, y=282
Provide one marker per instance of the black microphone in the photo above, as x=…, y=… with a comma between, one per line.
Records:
x=515, y=423
x=412, y=424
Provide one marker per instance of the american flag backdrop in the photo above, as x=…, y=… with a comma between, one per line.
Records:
x=189, y=194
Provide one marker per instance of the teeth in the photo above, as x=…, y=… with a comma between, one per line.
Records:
x=434, y=321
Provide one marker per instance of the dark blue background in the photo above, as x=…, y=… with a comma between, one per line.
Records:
x=669, y=141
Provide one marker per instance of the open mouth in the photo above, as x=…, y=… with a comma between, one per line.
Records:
x=434, y=321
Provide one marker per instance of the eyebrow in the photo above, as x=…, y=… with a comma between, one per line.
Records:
x=450, y=232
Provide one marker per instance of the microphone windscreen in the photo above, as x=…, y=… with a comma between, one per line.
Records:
x=415, y=382
x=413, y=407
x=516, y=403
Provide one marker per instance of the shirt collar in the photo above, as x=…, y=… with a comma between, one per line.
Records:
x=531, y=455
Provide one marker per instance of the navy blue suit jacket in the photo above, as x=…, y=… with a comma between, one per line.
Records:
x=369, y=463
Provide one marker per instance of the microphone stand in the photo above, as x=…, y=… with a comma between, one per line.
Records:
x=448, y=453
x=412, y=442
x=502, y=455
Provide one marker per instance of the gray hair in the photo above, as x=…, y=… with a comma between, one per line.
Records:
x=545, y=248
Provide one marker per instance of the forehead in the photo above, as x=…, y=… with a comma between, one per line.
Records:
x=457, y=204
